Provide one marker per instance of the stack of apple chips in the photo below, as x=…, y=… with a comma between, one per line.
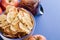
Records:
x=16, y=23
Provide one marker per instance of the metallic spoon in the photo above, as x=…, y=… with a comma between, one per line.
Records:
x=40, y=10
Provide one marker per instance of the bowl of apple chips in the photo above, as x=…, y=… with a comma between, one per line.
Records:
x=16, y=23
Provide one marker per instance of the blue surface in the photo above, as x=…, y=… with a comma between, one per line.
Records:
x=49, y=23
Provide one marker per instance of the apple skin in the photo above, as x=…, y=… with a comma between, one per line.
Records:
x=30, y=5
x=0, y=10
x=5, y=3
x=37, y=37
x=2, y=7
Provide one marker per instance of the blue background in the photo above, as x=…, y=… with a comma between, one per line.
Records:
x=49, y=23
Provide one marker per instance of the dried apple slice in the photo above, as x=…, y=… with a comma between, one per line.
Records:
x=15, y=21
x=25, y=29
x=3, y=20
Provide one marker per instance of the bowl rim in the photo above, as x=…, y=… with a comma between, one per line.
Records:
x=27, y=34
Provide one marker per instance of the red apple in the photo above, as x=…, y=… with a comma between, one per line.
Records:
x=9, y=2
x=30, y=5
x=2, y=7
x=0, y=10
x=36, y=37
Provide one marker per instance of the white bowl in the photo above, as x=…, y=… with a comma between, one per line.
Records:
x=5, y=38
